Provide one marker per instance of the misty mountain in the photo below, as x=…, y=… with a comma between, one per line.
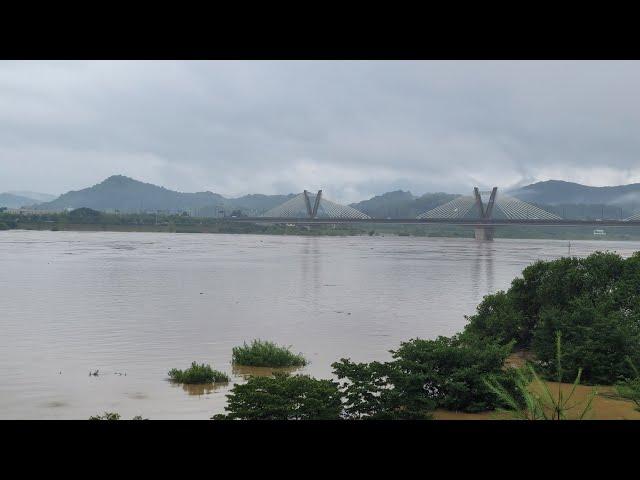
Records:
x=401, y=204
x=37, y=197
x=569, y=200
x=556, y=192
x=259, y=203
x=12, y=200
x=128, y=195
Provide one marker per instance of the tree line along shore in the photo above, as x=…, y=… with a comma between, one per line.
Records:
x=85, y=219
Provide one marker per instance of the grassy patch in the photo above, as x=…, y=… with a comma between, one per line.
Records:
x=198, y=374
x=263, y=353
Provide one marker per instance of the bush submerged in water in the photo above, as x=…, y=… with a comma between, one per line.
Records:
x=198, y=374
x=266, y=354
x=283, y=397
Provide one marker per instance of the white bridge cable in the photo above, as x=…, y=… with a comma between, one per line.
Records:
x=297, y=208
x=456, y=208
x=516, y=209
x=511, y=207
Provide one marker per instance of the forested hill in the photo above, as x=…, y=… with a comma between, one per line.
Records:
x=128, y=195
x=400, y=204
x=556, y=192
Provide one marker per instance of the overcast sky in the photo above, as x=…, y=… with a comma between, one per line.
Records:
x=352, y=128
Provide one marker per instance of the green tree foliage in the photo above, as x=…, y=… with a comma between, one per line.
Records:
x=423, y=375
x=381, y=391
x=451, y=370
x=198, y=374
x=283, y=397
x=262, y=353
x=593, y=302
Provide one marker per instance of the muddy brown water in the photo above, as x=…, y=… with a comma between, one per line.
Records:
x=134, y=305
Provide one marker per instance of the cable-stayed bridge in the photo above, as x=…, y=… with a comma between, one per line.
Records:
x=314, y=206
x=483, y=210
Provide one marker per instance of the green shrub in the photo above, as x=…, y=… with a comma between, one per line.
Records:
x=198, y=374
x=266, y=354
x=594, y=302
x=451, y=370
x=381, y=391
x=283, y=397
x=425, y=374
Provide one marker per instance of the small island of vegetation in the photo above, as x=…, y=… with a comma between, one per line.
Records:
x=262, y=353
x=198, y=374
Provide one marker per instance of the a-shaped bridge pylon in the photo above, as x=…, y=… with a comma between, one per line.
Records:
x=501, y=206
x=311, y=206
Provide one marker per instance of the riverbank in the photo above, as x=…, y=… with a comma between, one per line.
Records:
x=435, y=231
x=88, y=220
x=606, y=405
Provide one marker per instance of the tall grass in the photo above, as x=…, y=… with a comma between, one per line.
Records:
x=542, y=404
x=198, y=374
x=630, y=389
x=261, y=353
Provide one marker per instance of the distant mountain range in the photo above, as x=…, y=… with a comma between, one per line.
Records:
x=557, y=192
x=21, y=199
x=400, y=204
x=36, y=196
x=124, y=194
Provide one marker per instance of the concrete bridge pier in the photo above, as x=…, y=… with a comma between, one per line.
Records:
x=484, y=234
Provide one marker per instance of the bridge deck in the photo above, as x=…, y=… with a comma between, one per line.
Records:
x=441, y=221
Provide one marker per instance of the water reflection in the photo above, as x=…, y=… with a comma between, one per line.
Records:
x=482, y=275
x=311, y=269
x=246, y=372
x=200, y=388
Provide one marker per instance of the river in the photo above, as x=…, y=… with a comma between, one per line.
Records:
x=135, y=305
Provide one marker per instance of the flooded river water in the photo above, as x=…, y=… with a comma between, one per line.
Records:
x=135, y=305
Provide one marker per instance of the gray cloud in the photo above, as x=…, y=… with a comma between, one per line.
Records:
x=354, y=129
